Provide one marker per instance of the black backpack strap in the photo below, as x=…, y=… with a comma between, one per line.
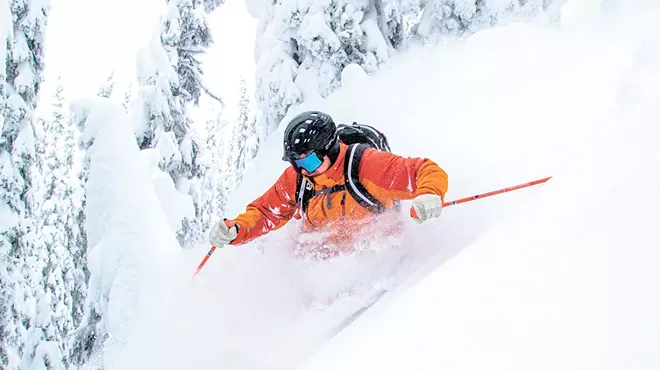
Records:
x=327, y=192
x=353, y=185
x=304, y=192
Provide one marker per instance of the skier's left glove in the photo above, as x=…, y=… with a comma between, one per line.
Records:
x=426, y=206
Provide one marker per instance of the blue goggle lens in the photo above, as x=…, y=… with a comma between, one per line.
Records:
x=310, y=163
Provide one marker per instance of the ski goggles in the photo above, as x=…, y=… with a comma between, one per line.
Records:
x=309, y=163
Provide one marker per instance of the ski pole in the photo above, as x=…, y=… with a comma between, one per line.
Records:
x=490, y=193
x=206, y=258
x=495, y=192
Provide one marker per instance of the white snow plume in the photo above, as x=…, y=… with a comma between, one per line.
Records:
x=253, y=307
x=130, y=241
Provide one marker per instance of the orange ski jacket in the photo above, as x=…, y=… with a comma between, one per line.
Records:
x=387, y=176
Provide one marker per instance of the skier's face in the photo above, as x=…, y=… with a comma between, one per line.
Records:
x=322, y=168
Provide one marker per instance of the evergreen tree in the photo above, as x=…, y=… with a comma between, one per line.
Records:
x=245, y=139
x=105, y=91
x=442, y=18
x=60, y=226
x=213, y=185
x=185, y=34
x=89, y=335
x=22, y=262
x=305, y=46
x=211, y=5
x=128, y=96
x=171, y=78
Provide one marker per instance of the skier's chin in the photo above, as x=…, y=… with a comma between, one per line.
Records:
x=315, y=173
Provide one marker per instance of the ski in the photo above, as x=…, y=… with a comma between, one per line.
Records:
x=350, y=319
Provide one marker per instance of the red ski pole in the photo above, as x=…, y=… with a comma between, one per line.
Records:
x=206, y=258
x=495, y=192
x=490, y=193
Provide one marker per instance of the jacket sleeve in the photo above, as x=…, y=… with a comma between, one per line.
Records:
x=270, y=211
x=388, y=176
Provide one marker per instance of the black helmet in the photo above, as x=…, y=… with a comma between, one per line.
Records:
x=309, y=132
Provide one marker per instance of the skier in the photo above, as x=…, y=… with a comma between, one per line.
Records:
x=335, y=187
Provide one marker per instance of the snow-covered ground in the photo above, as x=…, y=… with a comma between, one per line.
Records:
x=562, y=275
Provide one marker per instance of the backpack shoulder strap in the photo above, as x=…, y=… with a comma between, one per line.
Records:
x=353, y=185
x=304, y=192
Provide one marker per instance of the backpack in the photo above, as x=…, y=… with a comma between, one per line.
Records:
x=363, y=134
x=358, y=137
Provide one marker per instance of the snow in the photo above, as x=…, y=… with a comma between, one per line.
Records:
x=20, y=49
x=320, y=38
x=46, y=357
x=25, y=77
x=255, y=7
x=561, y=275
x=375, y=41
x=353, y=76
x=8, y=219
x=23, y=145
x=167, y=147
x=175, y=204
x=16, y=106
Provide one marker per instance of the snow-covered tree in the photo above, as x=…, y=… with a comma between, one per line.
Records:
x=163, y=124
x=185, y=34
x=105, y=91
x=244, y=140
x=60, y=222
x=22, y=24
x=305, y=46
x=128, y=96
x=443, y=18
x=213, y=187
x=128, y=232
x=211, y=5
x=171, y=78
x=89, y=335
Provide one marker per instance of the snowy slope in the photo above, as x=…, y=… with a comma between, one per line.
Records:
x=568, y=282
x=535, y=278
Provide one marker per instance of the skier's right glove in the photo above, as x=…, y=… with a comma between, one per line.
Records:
x=223, y=232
